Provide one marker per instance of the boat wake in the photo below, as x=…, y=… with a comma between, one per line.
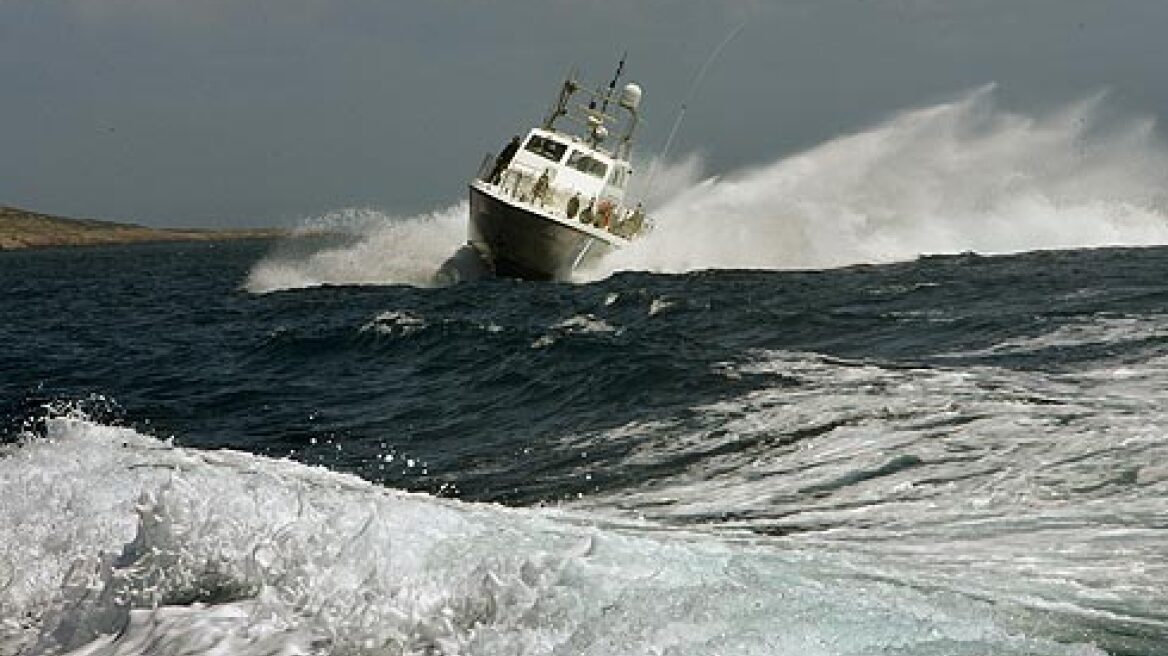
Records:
x=959, y=176
x=364, y=247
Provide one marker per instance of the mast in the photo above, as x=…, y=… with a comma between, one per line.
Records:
x=560, y=108
x=593, y=118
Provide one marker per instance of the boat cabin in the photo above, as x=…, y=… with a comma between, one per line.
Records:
x=571, y=165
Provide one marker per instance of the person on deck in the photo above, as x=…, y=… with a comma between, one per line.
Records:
x=635, y=221
x=586, y=213
x=573, y=205
x=604, y=215
x=542, y=188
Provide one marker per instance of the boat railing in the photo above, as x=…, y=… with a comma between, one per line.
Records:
x=486, y=167
x=521, y=185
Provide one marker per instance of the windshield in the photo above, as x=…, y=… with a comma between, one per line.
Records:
x=588, y=164
x=546, y=148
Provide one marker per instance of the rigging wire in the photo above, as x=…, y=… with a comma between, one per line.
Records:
x=656, y=165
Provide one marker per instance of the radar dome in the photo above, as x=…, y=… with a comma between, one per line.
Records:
x=630, y=96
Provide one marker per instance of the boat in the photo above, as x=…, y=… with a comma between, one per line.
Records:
x=553, y=201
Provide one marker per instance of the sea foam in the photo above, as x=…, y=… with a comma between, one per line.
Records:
x=113, y=542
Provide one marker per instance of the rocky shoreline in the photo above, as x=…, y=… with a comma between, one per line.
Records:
x=24, y=229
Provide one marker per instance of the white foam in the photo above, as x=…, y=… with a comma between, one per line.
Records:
x=659, y=305
x=382, y=249
x=579, y=324
x=116, y=543
x=393, y=323
x=1085, y=331
x=1038, y=490
x=959, y=176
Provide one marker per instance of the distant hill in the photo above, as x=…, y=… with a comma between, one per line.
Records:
x=24, y=229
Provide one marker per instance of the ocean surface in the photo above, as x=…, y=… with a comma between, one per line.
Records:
x=771, y=426
x=946, y=456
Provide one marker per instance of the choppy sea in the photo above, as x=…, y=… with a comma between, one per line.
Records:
x=770, y=427
x=952, y=455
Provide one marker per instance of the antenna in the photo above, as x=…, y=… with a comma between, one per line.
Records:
x=612, y=85
x=685, y=103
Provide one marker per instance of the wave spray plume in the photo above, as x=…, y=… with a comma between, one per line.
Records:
x=954, y=177
x=376, y=249
x=959, y=176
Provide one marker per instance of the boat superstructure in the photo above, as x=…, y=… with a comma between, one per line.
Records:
x=554, y=200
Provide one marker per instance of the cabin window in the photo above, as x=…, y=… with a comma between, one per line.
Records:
x=546, y=148
x=587, y=164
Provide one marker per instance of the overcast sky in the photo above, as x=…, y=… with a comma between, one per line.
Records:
x=254, y=112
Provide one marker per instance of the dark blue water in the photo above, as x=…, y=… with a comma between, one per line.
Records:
x=953, y=455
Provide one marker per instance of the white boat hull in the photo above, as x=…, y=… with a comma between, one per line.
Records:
x=520, y=240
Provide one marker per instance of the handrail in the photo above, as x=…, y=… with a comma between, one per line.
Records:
x=608, y=215
x=485, y=167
